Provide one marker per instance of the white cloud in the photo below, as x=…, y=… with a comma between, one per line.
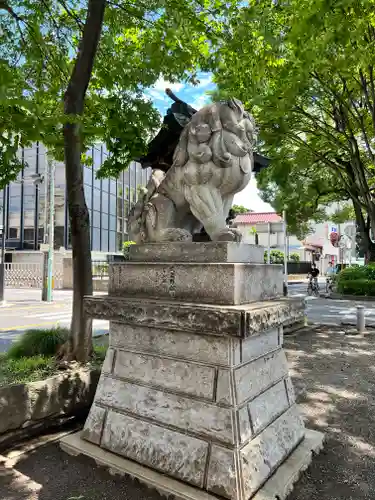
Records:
x=162, y=84
x=250, y=198
x=157, y=95
x=205, y=82
x=200, y=101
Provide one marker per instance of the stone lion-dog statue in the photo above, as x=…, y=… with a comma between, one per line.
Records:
x=212, y=162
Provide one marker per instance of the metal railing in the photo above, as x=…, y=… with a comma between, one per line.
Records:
x=100, y=269
x=29, y=275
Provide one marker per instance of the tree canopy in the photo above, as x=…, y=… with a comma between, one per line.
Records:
x=306, y=70
x=73, y=73
x=240, y=209
x=140, y=42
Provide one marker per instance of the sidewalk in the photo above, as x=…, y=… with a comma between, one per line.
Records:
x=334, y=378
x=30, y=296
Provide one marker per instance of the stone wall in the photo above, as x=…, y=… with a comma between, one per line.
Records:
x=29, y=409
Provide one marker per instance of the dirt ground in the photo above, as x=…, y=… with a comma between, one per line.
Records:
x=335, y=376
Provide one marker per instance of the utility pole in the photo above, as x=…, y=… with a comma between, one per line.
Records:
x=3, y=240
x=285, y=287
x=51, y=231
x=48, y=237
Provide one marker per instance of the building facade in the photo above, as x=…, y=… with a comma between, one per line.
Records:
x=109, y=202
x=268, y=226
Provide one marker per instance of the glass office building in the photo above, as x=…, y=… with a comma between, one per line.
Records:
x=108, y=201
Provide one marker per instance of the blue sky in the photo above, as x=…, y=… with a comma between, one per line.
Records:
x=197, y=97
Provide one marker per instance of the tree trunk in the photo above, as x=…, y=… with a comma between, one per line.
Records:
x=79, y=346
x=364, y=230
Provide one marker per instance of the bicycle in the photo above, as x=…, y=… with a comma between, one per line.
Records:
x=313, y=287
x=329, y=284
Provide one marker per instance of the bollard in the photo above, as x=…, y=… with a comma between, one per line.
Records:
x=361, y=324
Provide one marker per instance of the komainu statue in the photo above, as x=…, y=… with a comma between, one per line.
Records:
x=212, y=160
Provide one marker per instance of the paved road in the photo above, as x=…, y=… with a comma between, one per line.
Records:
x=332, y=312
x=24, y=310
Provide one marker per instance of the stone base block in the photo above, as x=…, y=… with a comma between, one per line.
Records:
x=199, y=392
x=278, y=486
x=196, y=282
x=222, y=252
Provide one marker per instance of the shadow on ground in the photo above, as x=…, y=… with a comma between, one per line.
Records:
x=51, y=474
x=334, y=375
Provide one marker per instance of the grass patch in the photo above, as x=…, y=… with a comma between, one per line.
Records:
x=38, y=343
x=18, y=371
x=32, y=357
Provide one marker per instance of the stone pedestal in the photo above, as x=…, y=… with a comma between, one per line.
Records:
x=195, y=383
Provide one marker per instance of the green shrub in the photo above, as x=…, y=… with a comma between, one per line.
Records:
x=276, y=256
x=99, y=352
x=357, y=287
x=294, y=257
x=125, y=248
x=352, y=273
x=17, y=371
x=38, y=343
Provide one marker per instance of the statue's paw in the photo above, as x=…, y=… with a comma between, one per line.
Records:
x=228, y=235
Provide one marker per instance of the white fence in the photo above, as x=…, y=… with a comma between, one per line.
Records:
x=30, y=275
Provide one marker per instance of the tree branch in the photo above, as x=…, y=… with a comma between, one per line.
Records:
x=5, y=6
x=71, y=14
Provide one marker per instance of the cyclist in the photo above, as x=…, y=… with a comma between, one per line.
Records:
x=313, y=278
x=330, y=273
x=314, y=271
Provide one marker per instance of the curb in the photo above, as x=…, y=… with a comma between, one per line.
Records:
x=339, y=296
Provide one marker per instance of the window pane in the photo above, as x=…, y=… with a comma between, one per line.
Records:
x=28, y=234
x=119, y=242
x=132, y=174
x=13, y=233
x=15, y=190
x=105, y=185
x=96, y=239
x=112, y=241
x=96, y=200
x=60, y=181
x=104, y=243
x=96, y=218
x=88, y=196
x=112, y=186
x=119, y=207
x=28, y=189
x=59, y=237
x=104, y=221
x=112, y=205
x=87, y=176
x=127, y=177
x=96, y=152
x=15, y=204
x=112, y=223
x=30, y=160
x=105, y=202
x=29, y=213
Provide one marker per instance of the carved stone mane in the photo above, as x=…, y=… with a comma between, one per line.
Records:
x=212, y=161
